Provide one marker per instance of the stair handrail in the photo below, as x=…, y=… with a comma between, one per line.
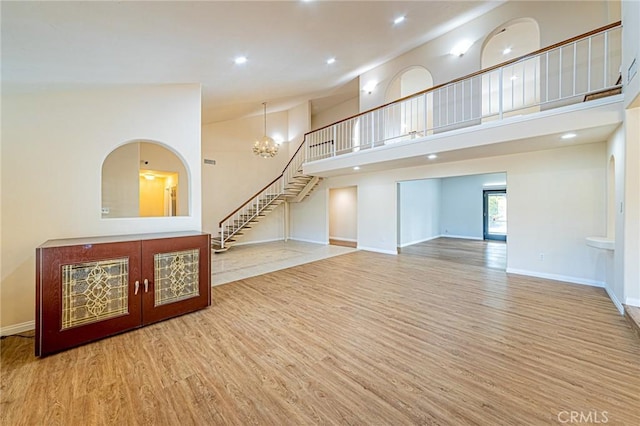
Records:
x=289, y=171
x=264, y=188
x=249, y=200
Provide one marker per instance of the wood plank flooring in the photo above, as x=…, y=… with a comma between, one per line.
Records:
x=492, y=254
x=362, y=339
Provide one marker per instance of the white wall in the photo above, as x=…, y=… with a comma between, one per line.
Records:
x=419, y=205
x=299, y=121
x=554, y=203
x=338, y=112
x=632, y=208
x=309, y=220
x=53, y=147
x=551, y=17
x=556, y=199
x=120, y=182
x=630, y=50
x=238, y=173
x=461, y=213
x=343, y=214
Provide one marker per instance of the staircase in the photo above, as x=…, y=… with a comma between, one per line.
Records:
x=292, y=186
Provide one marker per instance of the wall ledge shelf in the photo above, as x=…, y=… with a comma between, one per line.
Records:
x=603, y=243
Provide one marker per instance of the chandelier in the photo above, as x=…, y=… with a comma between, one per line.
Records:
x=265, y=147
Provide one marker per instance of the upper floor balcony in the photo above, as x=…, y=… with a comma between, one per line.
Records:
x=525, y=104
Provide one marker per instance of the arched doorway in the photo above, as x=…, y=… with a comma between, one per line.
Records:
x=513, y=89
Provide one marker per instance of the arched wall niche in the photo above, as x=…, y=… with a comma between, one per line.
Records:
x=408, y=117
x=520, y=82
x=144, y=178
x=407, y=82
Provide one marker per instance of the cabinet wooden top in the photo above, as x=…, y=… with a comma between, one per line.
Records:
x=118, y=238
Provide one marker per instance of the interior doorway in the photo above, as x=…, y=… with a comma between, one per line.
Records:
x=158, y=193
x=495, y=214
x=343, y=216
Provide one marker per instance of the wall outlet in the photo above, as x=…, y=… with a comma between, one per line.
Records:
x=541, y=257
x=105, y=210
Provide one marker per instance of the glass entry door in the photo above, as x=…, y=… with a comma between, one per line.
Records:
x=495, y=214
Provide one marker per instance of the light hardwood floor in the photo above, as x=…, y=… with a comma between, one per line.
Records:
x=361, y=338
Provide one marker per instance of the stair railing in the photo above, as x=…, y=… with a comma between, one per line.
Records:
x=247, y=212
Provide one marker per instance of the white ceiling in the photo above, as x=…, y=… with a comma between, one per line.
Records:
x=68, y=45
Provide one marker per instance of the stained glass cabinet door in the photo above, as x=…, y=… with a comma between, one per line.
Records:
x=93, y=295
x=175, y=273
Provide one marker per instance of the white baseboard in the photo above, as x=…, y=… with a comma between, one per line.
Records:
x=419, y=241
x=17, y=328
x=555, y=277
x=464, y=237
x=348, y=240
x=632, y=302
x=377, y=250
x=615, y=300
x=246, y=243
x=304, y=240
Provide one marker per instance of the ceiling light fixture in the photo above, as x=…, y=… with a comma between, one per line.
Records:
x=356, y=168
x=398, y=20
x=240, y=60
x=461, y=48
x=506, y=51
x=265, y=147
x=331, y=61
x=568, y=136
x=432, y=156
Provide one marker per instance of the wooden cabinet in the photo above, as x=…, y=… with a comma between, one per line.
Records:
x=91, y=288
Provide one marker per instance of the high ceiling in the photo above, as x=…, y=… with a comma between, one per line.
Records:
x=78, y=44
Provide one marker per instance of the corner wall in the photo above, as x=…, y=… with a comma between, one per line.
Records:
x=53, y=147
x=419, y=208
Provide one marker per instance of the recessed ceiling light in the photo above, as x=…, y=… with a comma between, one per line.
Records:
x=506, y=51
x=399, y=19
x=356, y=168
x=461, y=48
x=432, y=156
x=331, y=61
x=568, y=136
x=240, y=60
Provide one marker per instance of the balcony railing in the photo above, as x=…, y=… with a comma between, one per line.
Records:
x=568, y=72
